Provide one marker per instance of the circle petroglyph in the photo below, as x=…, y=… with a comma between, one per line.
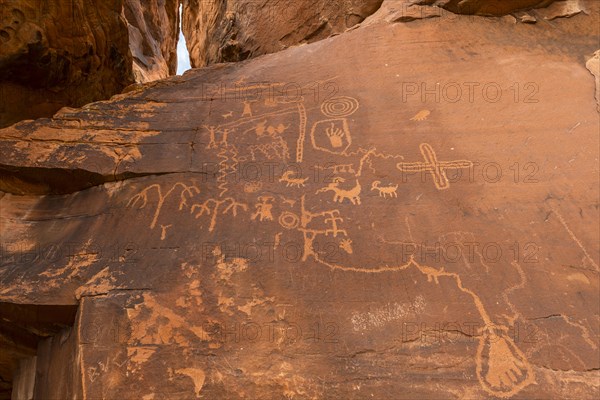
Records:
x=337, y=107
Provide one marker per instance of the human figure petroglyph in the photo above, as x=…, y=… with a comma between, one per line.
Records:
x=212, y=133
x=385, y=190
x=205, y=208
x=263, y=209
x=292, y=181
x=353, y=195
x=333, y=217
x=436, y=168
x=212, y=136
x=247, y=109
x=225, y=137
x=288, y=202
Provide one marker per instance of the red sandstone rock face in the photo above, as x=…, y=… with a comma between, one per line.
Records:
x=68, y=53
x=153, y=34
x=72, y=52
x=224, y=31
x=486, y=7
x=60, y=53
x=381, y=214
x=221, y=31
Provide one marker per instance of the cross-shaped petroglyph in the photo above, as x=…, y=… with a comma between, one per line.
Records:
x=436, y=168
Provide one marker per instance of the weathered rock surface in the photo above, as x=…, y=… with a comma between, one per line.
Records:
x=486, y=7
x=224, y=31
x=233, y=30
x=153, y=33
x=406, y=210
x=60, y=53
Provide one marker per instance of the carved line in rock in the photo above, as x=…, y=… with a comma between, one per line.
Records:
x=436, y=168
x=337, y=107
x=142, y=198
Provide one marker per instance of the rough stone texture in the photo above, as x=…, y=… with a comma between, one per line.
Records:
x=153, y=33
x=593, y=64
x=225, y=236
x=60, y=53
x=233, y=30
x=486, y=7
x=225, y=31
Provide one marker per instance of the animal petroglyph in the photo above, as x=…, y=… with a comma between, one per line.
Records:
x=292, y=181
x=353, y=195
x=141, y=198
x=346, y=245
x=421, y=115
x=385, y=190
x=436, y=168
x=502, y=369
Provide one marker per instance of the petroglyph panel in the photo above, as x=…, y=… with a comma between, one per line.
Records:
x=346, y=246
